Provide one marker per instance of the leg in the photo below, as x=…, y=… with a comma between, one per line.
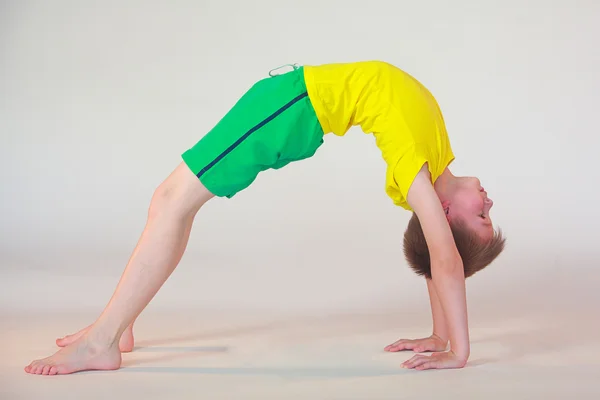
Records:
x=272, y=125
x=159, y=250
x=126, y=342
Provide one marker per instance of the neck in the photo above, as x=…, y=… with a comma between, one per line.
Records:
x=444, y=184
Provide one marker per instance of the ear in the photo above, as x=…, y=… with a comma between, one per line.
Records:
x=446, y=207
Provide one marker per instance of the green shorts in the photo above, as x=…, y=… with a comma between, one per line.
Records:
x=272, y=125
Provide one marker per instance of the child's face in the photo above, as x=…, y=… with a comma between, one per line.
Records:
x=472, y=205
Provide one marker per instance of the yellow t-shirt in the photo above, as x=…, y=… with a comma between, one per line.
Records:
x=400, y=112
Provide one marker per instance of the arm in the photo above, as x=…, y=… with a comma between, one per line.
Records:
x=438, y=341
x=448, y=281
x=440, y=327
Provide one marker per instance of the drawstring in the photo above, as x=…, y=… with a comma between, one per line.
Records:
x=294, y=66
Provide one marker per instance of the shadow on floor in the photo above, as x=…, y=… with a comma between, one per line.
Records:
x=337, y=372
x=182, y=349
x=170, y=354
x=226, y=333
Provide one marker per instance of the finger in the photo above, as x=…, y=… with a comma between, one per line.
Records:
x=411, y=363
x=415, y=361
x=423, y=347
x=434, y=361
x=400, y=345
x=398, y=342
x=389, y=346
x=427, y=365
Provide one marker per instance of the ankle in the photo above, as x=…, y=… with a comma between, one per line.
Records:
x=102, y=337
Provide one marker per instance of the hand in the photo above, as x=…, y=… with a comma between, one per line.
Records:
x=435, y=361
x=431, y=343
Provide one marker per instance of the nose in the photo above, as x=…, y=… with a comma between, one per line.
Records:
x=489, y=202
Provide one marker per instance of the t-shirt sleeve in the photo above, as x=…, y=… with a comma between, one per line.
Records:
x=401, y=174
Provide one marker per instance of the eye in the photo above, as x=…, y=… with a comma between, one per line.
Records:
x=482, y=215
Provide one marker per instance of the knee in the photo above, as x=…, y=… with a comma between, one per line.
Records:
x=180, y=196
x=174, y=202
x=163, y=201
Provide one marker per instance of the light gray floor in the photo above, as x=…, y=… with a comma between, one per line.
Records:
x=540, y=341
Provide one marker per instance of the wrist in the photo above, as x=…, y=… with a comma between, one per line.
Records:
x=461, y=353
x=440, y=337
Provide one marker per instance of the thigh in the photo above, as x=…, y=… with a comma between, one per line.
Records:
x=272, y=125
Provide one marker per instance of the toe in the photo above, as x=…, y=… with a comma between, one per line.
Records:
x=40, y=367
x=34, y=368
x=31, y=368
x=61, y=341
x=45, y=369
x=60, y=370
x=53, y=371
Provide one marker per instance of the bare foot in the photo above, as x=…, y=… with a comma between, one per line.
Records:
x=125, y=344
x=82, y=355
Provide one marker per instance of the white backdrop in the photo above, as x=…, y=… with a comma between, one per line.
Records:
x=98, y=100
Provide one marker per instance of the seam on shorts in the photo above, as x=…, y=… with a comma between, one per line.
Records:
x=251, y=131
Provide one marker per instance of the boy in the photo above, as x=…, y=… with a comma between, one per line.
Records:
x=283, y=119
